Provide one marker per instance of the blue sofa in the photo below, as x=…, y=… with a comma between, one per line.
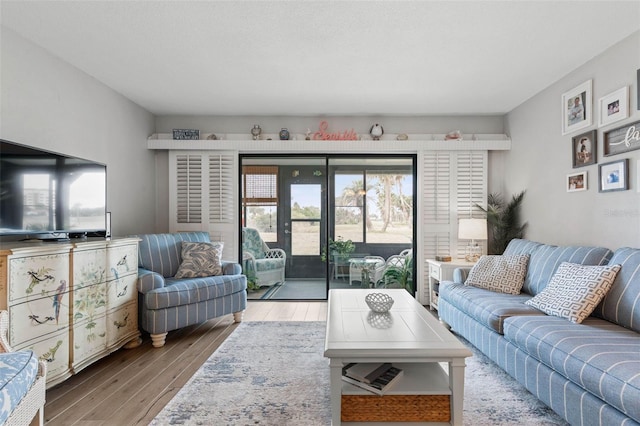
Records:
x=167, y=303
x=589, y=373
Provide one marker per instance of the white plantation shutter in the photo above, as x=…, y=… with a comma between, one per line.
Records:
x=188, y=206
x=221, y=188
x=223, y=201
x=471, y=190
x=452, y=182
x=203, y=185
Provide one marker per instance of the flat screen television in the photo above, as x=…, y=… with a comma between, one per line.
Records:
x=47, y=195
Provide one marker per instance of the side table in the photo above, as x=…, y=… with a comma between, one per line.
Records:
x=442, y=271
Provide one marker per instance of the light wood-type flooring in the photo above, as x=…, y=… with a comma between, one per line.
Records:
x=131, y=386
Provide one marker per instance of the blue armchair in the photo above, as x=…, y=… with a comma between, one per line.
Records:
x=266, y=263
x=168, y=303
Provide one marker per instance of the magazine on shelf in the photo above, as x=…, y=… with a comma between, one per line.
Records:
x=365, y=372
x=381, y=384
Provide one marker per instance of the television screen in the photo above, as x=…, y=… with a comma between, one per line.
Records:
x=43, y=192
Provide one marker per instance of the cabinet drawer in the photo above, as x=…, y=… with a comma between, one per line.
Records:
x=122, y=291
x=38, y=276
x=38, y=317
x=122, y=260
x=435, y=273
x=89, y=302
x=122, y=324
x=89, y=267
x=54, y=349
x=89, y=339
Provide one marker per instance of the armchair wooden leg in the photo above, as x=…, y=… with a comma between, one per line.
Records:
x=237, y=316
x=157, y=340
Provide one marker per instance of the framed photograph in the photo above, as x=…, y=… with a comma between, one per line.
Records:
x=614, y=107
x=614, y=176
x=577, y=182
x=622, y=139
x=576, y=108
x=583, y=149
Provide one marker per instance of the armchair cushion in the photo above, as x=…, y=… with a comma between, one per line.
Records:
x=200, y=260
x=18, y=373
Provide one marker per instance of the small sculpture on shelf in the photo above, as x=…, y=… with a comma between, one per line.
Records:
x=376, y=131
x=256, y=132
x=284, y=134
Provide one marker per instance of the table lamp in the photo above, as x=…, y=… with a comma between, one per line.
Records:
x=472, y=229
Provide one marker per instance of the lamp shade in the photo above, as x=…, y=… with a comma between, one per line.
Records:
x=472, y=229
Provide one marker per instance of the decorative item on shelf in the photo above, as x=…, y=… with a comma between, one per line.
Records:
x=307, y=136
x=284, y=134
x=212, y=137
x=402, y=137
x=472, y=229
x=376, y=131
x=323, y=135
x=256, y=131
x=443, y=258
x=379, y=302
x=186, y=134
x=454, y=135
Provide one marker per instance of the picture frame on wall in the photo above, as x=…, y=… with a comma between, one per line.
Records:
x=621, y=139
x=576, y=108
x=614, y=176
x=577, y=182
x=583, y=150
x=614, y=107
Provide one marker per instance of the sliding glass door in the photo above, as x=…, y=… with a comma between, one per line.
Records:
x=338, y=220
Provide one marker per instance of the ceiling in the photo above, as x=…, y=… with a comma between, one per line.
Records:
x=324, y=57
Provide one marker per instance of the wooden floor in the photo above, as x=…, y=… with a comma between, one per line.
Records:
x=131, y=386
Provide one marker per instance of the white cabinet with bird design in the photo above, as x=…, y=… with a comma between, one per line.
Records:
x=35, y=282
x=72, y=304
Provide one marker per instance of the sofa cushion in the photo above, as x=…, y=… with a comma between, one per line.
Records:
x=545, y=259
x=575, y=290
x=18, y=373
x=487, y=307
x=200, y=260
x=502, y=274
x=161, y=253
x=621, y=305
x=187, y=291
x=601, y=357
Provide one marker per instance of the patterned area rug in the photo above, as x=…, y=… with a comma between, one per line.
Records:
x=271, y=373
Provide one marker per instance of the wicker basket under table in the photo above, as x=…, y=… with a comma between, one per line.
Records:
x=396, y=408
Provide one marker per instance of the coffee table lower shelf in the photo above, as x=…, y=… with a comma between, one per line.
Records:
x=421, y=395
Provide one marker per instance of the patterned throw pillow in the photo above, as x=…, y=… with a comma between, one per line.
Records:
x=200, y=260
x=575, y=290
x=502, y=274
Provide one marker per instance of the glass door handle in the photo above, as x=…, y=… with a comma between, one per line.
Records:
x=286, y=231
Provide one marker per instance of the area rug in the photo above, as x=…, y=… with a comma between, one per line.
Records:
x=272, y=373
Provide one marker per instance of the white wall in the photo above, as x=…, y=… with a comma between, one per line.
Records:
x=47, y=103
x=540, y=160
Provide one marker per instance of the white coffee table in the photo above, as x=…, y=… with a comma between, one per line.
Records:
x=409, y=337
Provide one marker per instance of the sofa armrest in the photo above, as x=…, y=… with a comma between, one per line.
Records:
x=149, y=280
x=460, y=275
x=231, y=268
